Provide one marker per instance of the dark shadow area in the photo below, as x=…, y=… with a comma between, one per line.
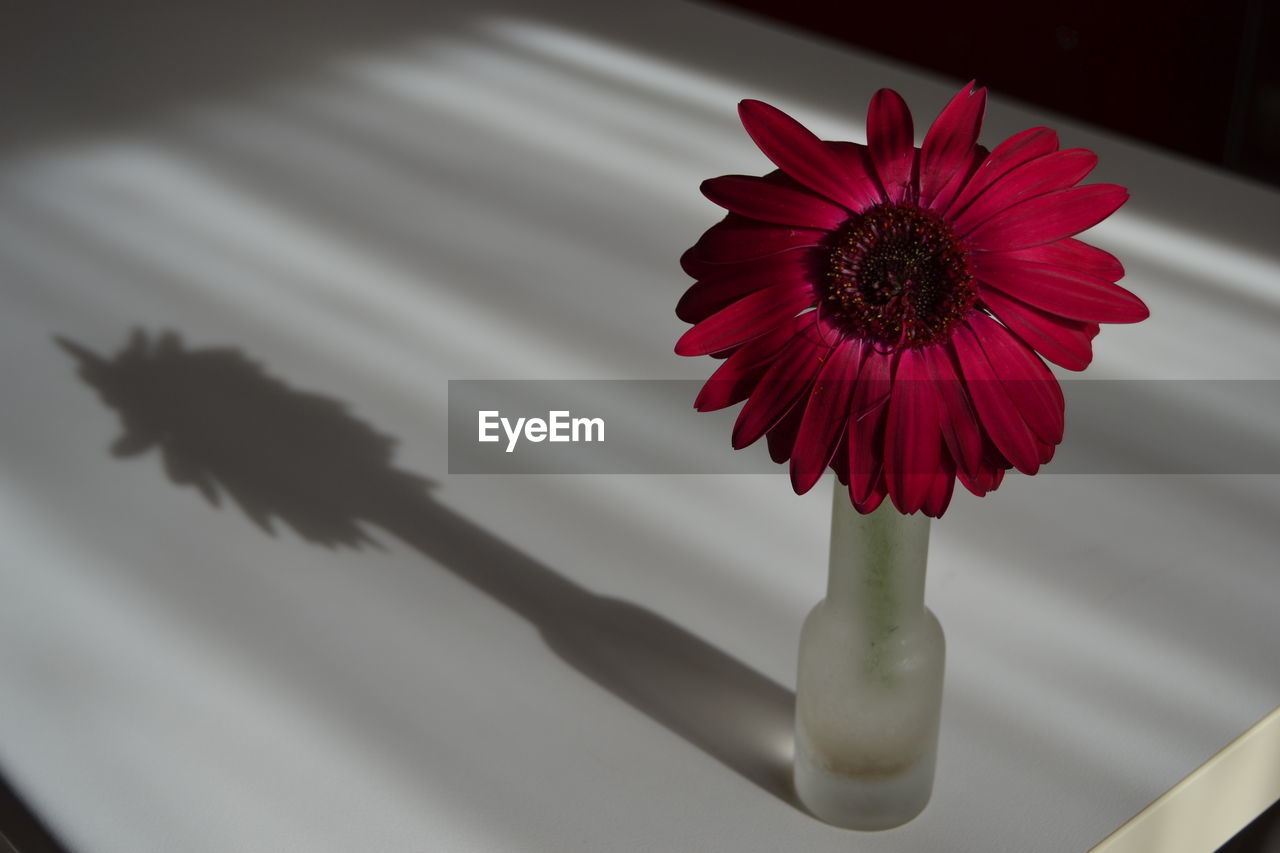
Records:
x=20, y=829
x=1260, y=836
x=224, y=426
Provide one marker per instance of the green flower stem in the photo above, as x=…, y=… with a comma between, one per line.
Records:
x=876, y=576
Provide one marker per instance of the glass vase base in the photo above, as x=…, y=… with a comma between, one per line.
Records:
x=867, y=803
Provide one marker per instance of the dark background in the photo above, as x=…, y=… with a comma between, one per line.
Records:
x=1199, y=77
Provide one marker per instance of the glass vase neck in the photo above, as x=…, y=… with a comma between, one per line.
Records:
x=877, y=560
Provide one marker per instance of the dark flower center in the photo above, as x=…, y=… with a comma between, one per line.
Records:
x=898, y=275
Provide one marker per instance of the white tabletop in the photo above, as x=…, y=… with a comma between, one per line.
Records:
x=370, y=206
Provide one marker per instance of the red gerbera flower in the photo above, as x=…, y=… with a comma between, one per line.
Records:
x=883, y=309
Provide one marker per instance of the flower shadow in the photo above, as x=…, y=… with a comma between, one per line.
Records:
x=224, y=426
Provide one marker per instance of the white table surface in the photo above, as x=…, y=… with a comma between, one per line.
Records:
x=371, y=204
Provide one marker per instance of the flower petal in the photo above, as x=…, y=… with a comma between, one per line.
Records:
x=768, y=201
x=940, y=490
x=1013, y=152
x=1031, y=385
x=840, y=460
x=1067, y=343
x=745, y=319
x=875, y=496
x=913, y=439
x=959, y=179
x=866, y=424
x=733, y=381
x=731, y=282
x=736, y=238
x=983, y=481
x=826, y=415
x=891, y=143
x=1051, y=172
x=781, y=438
x=1070, y=293
x=860, y=174
x=782, y=385
x=997, y=412
x=796, y=151
x=961, y=429
x=1047, y=217
x=695, y=267
x=1072, y=254
x=949, y=143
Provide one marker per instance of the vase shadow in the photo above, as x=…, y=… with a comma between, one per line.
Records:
x=223, y=425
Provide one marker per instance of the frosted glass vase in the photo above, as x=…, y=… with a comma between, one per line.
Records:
x=869, y=687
